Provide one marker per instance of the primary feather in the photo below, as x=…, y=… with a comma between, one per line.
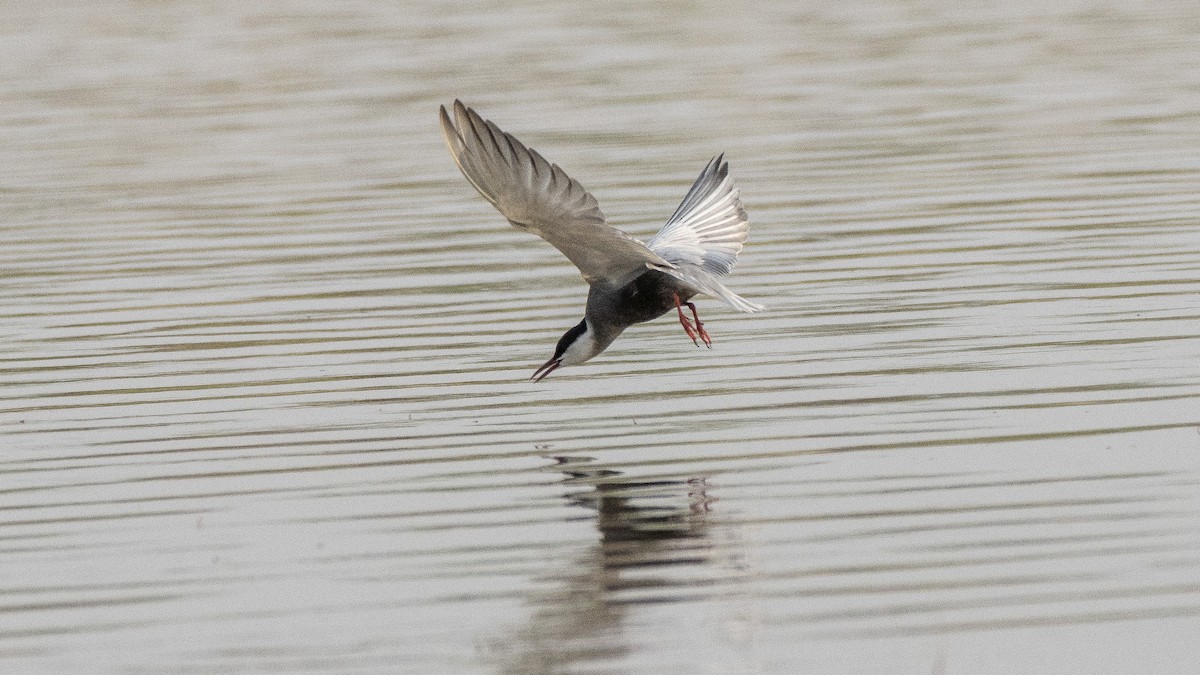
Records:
x=710, y=225
x=540, y=197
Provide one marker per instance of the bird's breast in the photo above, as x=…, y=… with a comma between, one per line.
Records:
x=646, y=298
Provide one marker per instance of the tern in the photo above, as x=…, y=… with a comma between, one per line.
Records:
x=630, y=281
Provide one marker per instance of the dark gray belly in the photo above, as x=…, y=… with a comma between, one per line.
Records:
x=648, y=297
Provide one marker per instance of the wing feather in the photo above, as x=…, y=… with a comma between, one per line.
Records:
x=710, y=225
x=540, y=197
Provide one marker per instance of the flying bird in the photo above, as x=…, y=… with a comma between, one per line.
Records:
x=630, y=281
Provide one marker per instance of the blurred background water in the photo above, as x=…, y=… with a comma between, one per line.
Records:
x=264, y=403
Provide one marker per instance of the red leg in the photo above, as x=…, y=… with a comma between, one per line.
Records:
x=696, y=331
x=700, y=327
x=683, y=321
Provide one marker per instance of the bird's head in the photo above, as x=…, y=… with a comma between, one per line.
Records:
x=575, y=346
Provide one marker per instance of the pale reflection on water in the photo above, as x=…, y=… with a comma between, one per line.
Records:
x=655, y=545
x=264, y=402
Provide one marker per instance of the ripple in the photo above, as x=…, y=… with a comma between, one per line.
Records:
x=266, y=354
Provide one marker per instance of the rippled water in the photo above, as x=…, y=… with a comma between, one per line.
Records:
x=264, y=401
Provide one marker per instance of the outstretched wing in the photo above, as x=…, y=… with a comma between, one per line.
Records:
x=539, y=197
x=705, y=234
x=710, y=225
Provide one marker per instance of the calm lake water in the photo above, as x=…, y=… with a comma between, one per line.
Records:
x=264, y=401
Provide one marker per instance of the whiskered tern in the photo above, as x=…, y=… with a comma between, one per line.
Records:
x=630, y=281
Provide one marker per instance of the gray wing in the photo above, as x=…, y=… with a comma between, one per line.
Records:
x=705, y=234
x=539, y=197
x=710, y=225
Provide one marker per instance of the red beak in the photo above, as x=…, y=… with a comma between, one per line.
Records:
x=547, y=368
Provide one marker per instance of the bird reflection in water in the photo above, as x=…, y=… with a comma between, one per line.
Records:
x=640, y=510
x=658, y=543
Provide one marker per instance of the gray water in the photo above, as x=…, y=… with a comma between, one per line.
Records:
x=264, y=401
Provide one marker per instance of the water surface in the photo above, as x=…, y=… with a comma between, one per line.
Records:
x=264, y=401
